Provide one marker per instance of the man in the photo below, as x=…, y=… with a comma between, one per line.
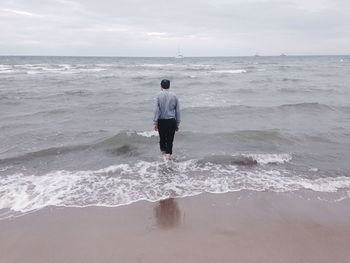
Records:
x=166, y=118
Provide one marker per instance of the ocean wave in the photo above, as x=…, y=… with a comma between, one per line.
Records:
x=7, y=72
x=127, y=137
x=307, y=90
x=53, y=151
x=270, y=158
x=230, y=71
x=247, y=159
x=244, y=91
x=306, y=105
x=124, y=150
x=3, y=169
x=55, y=111
x=48, y=112
x=272, y=136
x=108, y=76
x=124, y=142
x=78, y=92
x=6, y=69
x=157, y=65
x=170, y=66
x=133, y=143
x=33, y=72
x=292, y=79
x=127, y=183
x=261, y=109
x=148, y=134
x=34, y=69
x=77, y=68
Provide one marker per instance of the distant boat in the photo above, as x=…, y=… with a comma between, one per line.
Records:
x=283, y=55
x=179, y=55
x=256, y=55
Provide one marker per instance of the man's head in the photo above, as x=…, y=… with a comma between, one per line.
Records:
x=165, y=84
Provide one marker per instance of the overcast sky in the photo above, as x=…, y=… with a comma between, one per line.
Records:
x=159, y=27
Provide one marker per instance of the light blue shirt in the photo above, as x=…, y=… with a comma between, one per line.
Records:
x=166, y=106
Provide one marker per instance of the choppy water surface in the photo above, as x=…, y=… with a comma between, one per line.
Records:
x=78, y=131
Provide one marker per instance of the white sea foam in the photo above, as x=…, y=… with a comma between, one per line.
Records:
x=93, y=70
x=201, y=65
x=6, y=71
x=230, y=71
x=127, y=183
x=156, y=65
x=148, y=133
x=313, y=169
x=3, y=169
x=33, y=72
x=176, y=66
x=5, y=68
x=33, y=69
x=106, y=65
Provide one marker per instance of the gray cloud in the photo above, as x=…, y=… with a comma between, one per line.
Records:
x=158, y=27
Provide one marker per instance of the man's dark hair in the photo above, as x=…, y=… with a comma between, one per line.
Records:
x=165, y=84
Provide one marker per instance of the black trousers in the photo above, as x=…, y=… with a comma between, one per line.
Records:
x=166, y=129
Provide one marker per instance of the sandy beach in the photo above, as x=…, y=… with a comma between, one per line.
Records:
x=234, y=227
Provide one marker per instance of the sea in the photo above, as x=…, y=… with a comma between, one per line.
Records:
x=78, y=131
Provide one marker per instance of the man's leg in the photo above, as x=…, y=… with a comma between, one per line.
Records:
x=162, y=135
x=170, y=136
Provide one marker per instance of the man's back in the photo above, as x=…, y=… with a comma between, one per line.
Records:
x=167, y=106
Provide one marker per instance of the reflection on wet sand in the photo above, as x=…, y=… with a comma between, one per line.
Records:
x=167, y=213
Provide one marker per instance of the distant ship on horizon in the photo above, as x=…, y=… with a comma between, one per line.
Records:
x=179, y=54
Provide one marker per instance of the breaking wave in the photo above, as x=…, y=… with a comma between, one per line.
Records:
x=230, y=71
x=129, y=141
x=127, y=183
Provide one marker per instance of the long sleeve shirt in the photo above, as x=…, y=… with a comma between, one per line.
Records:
x=166, y=107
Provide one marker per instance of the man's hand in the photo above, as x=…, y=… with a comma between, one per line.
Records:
x=156, y=127
x=177, y=128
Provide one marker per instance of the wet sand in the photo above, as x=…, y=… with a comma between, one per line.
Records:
x=233, y=227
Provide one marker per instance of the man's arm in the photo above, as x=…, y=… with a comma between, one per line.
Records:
x=177, y=113
x=156, y=114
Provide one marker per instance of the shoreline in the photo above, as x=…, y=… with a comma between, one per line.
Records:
x=242, y=226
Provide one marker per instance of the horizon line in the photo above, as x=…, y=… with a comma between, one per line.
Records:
x=222, y=56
